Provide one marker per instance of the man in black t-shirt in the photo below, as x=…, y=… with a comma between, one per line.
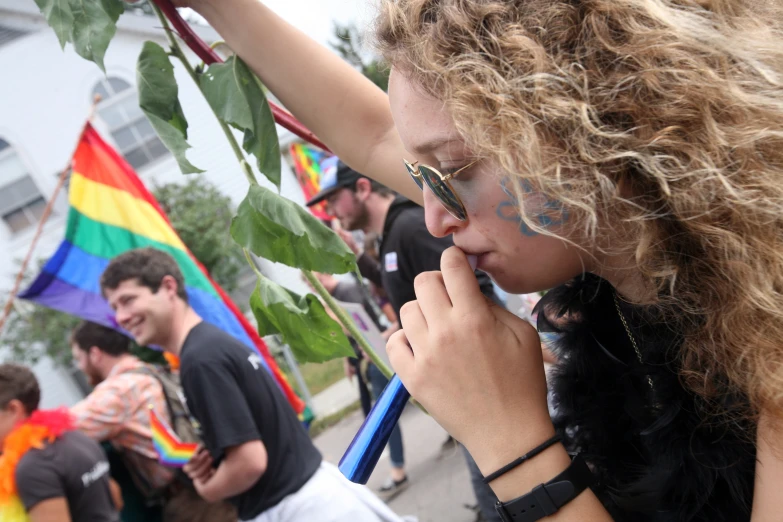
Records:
x=406, y=250
x=65, y=479
x=256, y=453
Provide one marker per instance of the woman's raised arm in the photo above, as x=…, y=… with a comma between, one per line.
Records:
x=344, y=109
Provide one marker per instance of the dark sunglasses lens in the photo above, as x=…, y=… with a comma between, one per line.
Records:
x=443, y=192
x=412, y=171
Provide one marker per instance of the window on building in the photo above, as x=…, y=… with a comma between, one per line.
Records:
x=21, y=202
x=130, y=128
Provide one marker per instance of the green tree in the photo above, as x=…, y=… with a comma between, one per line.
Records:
x=201, y=215
x=348, y=46
x=199, y=212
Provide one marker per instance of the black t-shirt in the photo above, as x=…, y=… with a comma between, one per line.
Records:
x=235, y=400
x=73, y=466
x=407, y=249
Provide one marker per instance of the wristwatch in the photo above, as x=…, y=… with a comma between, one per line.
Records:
x=545, y=499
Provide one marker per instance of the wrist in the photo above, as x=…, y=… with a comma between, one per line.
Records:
x=494, y=453
x=508, y=442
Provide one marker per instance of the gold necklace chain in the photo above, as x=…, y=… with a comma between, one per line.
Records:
x=631, y=337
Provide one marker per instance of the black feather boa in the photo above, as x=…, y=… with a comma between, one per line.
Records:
x=657, y=454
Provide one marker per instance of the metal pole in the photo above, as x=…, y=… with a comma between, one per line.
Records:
x=294, y=367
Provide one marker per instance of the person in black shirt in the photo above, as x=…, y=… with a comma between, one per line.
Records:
x=58, y=473
x=406, y=249
x=256, y=453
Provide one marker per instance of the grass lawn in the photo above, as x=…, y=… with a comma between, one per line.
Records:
x=317, y=376
x=321, y=424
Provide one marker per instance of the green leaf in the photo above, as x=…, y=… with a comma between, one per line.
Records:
x=94, y=25
x=238, y=99
x=278, y=229
x=158, y=98
x=59, y=16
x=114, y=8
x=302, y=321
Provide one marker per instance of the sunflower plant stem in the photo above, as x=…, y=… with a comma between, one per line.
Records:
x=347, y=322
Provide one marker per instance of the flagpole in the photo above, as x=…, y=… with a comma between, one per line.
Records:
x=63, y=176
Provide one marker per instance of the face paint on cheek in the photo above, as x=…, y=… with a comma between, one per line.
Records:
x=508, y=210
x=547, y=212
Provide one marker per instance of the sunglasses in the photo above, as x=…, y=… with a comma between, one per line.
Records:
x=440, y=186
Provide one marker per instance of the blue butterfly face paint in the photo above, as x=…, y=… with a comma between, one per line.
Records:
x=543, y=210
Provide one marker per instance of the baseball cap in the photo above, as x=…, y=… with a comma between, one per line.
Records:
x=336, y=175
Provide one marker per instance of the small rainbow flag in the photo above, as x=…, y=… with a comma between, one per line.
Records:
x=307, y=166
x=172, y=452
x=111, y=211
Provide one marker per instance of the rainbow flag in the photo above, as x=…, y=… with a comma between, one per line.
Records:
x=172, y=452
x=308, y=170
x=111, y=212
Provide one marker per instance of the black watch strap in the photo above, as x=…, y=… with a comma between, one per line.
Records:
x=545, y=499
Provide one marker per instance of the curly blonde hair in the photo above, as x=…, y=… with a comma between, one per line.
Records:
x=659, y=119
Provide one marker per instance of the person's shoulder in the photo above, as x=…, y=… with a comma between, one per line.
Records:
x=73, y=438
x=33, y=465
x=411, y=232
x=130, y=377
x=208, y=344
x=33, y=459
x=411, y=216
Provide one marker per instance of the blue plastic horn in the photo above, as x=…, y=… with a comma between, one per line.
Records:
x=362, y=455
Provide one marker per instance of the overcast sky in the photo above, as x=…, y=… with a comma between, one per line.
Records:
x=315, y=17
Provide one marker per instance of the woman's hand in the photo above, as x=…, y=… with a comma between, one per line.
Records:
x=474, y=366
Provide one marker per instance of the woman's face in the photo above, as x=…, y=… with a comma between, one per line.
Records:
x=517, y=258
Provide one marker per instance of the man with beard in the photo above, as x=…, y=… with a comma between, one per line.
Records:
x=117, y=411
x=406, y=249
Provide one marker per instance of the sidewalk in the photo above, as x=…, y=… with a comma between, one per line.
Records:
x=336, y=397
x=440, y=484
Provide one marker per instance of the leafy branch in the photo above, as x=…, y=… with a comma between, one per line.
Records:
x=266, y=224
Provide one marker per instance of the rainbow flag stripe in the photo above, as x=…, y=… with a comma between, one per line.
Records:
x=111, y=212
x=307, y=166
x=172, y=452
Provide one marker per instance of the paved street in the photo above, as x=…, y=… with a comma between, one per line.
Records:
x=440, y=485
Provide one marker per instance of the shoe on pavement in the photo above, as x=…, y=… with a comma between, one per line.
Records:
x=391, y=488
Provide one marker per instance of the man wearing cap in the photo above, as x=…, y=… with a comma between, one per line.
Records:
x=406, y=249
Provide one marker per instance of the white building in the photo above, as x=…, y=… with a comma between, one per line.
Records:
x=46, y=95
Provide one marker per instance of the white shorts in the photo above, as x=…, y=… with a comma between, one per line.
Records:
x=330, y=497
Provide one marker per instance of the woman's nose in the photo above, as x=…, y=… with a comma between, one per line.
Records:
x=439, y=222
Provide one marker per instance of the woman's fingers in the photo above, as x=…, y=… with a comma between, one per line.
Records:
x=400, y=353
x=433, y=299
x=460, y=282
x=413, y=323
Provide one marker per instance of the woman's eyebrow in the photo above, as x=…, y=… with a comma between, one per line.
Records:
x=434, y=144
